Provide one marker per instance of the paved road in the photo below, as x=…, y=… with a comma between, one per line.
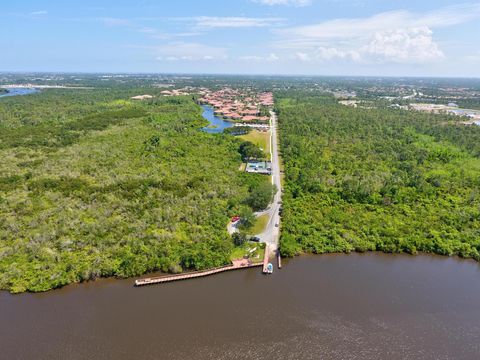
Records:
x=271, y=234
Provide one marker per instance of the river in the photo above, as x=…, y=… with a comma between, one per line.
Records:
x=217, y=123
x=369, y=306
x=19, y=91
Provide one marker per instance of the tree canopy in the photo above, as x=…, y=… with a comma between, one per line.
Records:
x=250, y=151
x=93, y=184
x=377, y=179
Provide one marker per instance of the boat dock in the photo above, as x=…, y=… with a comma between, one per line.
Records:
x=267, y=267
x=237, y=264
x=279, y=259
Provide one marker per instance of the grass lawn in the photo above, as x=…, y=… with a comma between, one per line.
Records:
x=260, y=225
x=259, y=138
x=256, y=256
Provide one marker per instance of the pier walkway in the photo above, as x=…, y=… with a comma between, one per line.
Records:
x=237, y=264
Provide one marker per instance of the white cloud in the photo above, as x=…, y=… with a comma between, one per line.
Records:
x=297, y=3
x=361, y=27
x=327, y=54
x=234, y=22
x=157, y=35
x=343, y=28
x=273, y=57
x=189, y=51
x=257, y=58
x=147, y=30
x=404, y=45
x=331, y=53
x=188, y=34
x=109, y=21
x=39, y=13
x=185, y=58
x=451, y=15
x=35, y=15
x=302, y=56
x=396, y=36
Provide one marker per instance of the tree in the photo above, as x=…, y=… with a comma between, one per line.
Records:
x=249, y=150
x=247, y=218
x=237, y=130
x=239, y=238
x=261, y=196
x=375, y=179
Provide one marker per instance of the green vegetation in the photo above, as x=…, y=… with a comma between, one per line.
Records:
x=260, y=224
x=237, y=130
x=250, y=151
x=239, y=238
x=247, y=219
x=253, y=250
x=95, y=185
x=260, y=196
x=377, y=179
x=264, y=110
x=260, y=139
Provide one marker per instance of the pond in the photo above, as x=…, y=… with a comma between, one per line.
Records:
x=217, y=124
x=19, y=92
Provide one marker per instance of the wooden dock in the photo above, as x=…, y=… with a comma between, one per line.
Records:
x=279, y=259
x=266, y=260
x=191, y=275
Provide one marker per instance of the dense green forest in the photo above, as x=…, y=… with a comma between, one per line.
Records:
x=93, y=184
x=377, y=179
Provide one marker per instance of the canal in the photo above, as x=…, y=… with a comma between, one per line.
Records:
x=369, y=306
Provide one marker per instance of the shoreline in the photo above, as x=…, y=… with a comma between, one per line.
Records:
x=285, y=260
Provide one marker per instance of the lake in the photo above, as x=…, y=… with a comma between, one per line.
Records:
x=218, y=122
x=19, y=91
x=369, y=306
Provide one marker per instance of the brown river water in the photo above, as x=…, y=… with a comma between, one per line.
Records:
x=355, y=306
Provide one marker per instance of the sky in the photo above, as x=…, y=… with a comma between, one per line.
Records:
x=279, y=37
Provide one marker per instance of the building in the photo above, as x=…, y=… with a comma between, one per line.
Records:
x=259, y=167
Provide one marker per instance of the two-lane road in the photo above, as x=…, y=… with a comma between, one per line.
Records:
x=271, y=234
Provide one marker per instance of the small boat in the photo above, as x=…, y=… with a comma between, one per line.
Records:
x=269, y=269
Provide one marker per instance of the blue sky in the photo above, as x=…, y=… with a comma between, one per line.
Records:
x=318, y=37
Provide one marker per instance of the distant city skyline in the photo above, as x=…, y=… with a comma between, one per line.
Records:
x=271, y=37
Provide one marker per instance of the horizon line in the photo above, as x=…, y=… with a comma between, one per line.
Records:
x=237, y=74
